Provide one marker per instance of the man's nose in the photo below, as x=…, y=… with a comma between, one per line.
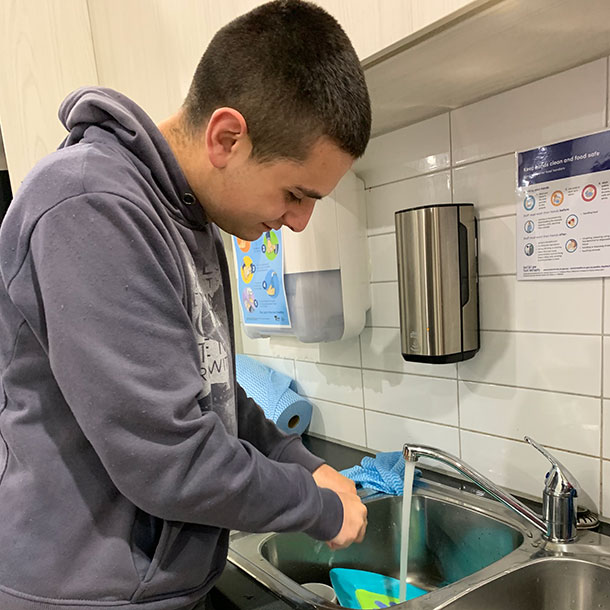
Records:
x=298, y=217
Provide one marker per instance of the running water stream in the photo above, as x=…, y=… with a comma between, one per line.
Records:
x=404, y=537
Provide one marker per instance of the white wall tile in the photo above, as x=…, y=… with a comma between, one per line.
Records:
x=497, y=246
x=278, y=364
x=562, y=106
x=404, y=153
x=606, y=489
x=560, y=363
x=489, y=184
x=606, y=371
x=607, y=306
x=384, y=305
x=338, y=422
x=606, y=429
x=280, y=347
x=254, y=347
x=291, y=347
x=382, y=252
x=564, y=421
x=518, y=466
x=428, y=398
x=383, y=201
x=390, y=433
x=345, y=353
x=334, y=383
x=539, y=371
x=568, y=306
x=381, y=351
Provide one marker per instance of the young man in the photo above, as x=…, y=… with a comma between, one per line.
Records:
x=127, y=449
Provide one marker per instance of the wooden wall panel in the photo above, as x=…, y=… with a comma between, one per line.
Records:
x=46, y=52
x=371, y=24
x=149, y=49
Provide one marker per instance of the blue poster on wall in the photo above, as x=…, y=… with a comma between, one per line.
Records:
x=260, y=279
x=563, y=209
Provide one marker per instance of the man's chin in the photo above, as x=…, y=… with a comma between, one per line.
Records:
x=249, y=235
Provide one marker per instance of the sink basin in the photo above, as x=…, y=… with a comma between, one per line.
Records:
x=453, y=535
x=446, y=543
x=467, y=551
x=547, y=584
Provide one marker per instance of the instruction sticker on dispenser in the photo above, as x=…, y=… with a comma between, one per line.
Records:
x=260, y=279
x=563, y=209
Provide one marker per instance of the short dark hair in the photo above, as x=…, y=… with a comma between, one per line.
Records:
x=289, y=68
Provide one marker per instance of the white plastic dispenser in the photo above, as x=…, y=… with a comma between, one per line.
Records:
x=326, y=270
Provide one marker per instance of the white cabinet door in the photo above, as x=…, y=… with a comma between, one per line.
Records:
x=46, y=52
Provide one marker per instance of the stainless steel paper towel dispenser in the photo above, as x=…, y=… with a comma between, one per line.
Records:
x=437, y=248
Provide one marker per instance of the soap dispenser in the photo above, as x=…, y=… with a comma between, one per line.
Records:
x=437, y=249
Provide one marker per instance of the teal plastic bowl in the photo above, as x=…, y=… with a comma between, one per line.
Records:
x=368, y=590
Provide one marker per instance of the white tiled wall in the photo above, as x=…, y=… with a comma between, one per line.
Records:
x=544, y=365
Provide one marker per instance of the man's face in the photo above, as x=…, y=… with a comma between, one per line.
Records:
x=249, y=198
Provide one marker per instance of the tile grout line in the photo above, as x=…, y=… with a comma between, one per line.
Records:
x=601, y=400
x=507, y=331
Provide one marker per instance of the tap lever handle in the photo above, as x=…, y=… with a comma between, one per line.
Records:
x=559, y=480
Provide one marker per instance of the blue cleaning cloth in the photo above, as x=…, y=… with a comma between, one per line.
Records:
x=385, y=472
x=275, y=393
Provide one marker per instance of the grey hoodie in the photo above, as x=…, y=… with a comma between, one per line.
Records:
x=127, y=449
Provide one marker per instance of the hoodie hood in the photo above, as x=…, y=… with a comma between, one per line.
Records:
x=102, y=115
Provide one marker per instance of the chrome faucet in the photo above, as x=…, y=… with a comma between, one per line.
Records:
x=558, y=522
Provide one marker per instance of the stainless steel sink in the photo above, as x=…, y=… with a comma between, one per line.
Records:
x=453, y=535
x=446, y=543
x=467, y=551
x=546, y=584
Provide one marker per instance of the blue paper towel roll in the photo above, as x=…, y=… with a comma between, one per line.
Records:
x=274, y=392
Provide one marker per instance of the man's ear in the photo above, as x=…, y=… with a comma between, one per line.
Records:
x=226, y=136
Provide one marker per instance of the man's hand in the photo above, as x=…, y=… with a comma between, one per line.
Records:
x=326, y=476
x=354, y=522
x=354, y=511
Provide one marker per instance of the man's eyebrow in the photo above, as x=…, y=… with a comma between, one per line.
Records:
x=309, y=193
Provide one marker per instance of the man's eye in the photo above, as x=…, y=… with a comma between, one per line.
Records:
x=290, y=196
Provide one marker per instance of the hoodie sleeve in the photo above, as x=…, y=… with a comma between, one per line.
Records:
x=103, y=290
x=254, y=427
